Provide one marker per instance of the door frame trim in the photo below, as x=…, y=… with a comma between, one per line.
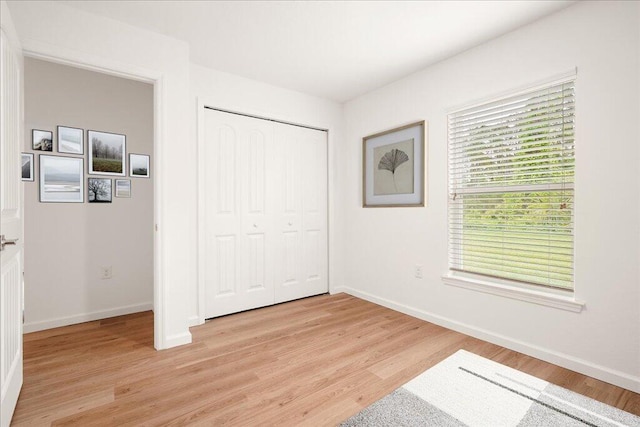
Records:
x=266, y=119
x=204, y=102
x=97, y=64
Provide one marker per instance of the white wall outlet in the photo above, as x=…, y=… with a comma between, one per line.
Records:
x=106, y=272
x=418, y=271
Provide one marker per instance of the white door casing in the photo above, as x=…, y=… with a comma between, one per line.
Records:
x=265, y=212
x=11, y=226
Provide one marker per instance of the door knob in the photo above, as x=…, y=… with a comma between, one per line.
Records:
x=4, y=242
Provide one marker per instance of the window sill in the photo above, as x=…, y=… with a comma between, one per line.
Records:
x=547, y=298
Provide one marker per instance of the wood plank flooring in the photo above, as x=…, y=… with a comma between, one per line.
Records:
x=315, y=362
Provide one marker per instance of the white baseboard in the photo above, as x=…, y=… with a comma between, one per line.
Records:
x=85, y=317
x=194, y=321
x=585, y=367
x=177, y=340
x=338, y=290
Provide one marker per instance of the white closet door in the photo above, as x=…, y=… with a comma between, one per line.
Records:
x=265, y=213
x=301, y=213
x=238, y=216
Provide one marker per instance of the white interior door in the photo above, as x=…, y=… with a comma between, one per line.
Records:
x=264, y=192
x=301, y=213
x=238, y=213
x=10, y=226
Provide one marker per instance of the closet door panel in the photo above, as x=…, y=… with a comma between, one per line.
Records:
x=314, y=212
x=238, y=271
x=257, y=212
x=302, y=213
x=265, y=213
x=223, y=225
x=288, y=198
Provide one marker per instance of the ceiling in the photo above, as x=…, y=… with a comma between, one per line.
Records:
x=336, y=50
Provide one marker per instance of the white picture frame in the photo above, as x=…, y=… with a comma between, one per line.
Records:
x=106, y=153
x=139, y=165
x=61, y=179
x=99, y=190
x=41, y=140
x=123, y=188
x=27, y=167
x=70, y=140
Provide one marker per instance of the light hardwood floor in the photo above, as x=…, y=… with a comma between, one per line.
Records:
x=314, y=362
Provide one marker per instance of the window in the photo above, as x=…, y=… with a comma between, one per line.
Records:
x=511, y=184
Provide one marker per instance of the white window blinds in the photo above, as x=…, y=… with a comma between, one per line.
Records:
x=511, y=182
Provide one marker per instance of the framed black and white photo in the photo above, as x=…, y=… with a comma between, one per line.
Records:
x=123, y=188
x=106, y=153
x=27, y=166
x=70, y=140
x=139, y=165
x=41, y=140
x=394, y=164
x=99, y=190
x=61, y=179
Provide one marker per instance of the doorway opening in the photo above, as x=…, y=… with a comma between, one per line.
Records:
x=90, y=237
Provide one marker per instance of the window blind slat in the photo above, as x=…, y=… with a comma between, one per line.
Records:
x=514, y=165
x=511, y=173
x=515, y=179
x=512, y=141
x=521, y=262
x=531, y=98
x=524, y=148
x=527, y=188
x=545, y=114
x=528, y=276
x=516, y=250
x=534, y=245
x=513, y=131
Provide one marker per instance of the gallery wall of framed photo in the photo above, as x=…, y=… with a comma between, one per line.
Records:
x=88, y=193
x=62, y=177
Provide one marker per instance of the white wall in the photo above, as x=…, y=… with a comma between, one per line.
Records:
x=373, y=251
x=381, y=246
x=110, y=46
x=67, y=243
x=238, y=94
x=54, y=31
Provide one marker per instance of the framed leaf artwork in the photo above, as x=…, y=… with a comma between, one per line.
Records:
x=394, y=164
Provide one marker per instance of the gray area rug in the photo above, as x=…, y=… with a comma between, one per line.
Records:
x=468, y=390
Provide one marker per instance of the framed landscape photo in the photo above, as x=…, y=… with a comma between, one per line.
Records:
x=27, y=166
x=99, y=190
x=70, y=140
x=41, y=140
x=394, y=164
x=61, y=179
x=106, y=153
x=123, y=188
x=139, y=165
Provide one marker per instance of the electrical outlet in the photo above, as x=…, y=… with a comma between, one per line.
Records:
x=418, y=271
x=106, y=272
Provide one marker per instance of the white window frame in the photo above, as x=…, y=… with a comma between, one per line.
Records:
x=548, y=296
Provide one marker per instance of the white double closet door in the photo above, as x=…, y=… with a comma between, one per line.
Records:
x=265, y=212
